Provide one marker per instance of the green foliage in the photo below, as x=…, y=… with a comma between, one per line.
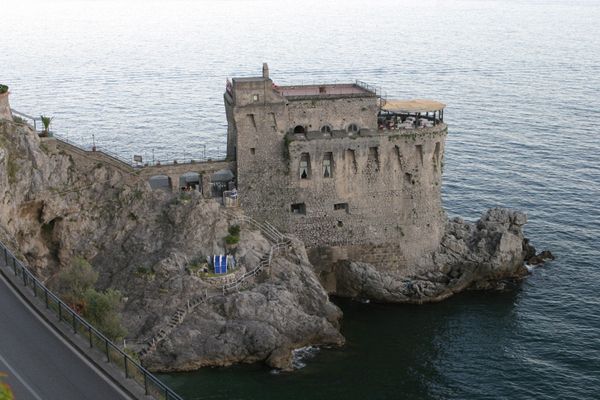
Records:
x=46, y=122
x=5, y=392
x=18, y=120
x=234, y=230
x=12, y=169
x=75, y=285
x=74, y=281
x=100, y=311
x=3, y=89
x=229, y=239
x=234, y=235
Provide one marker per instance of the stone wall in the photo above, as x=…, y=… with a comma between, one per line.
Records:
x=130, y=174
x=384, y=188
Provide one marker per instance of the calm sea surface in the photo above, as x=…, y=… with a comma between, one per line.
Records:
x=522, y=84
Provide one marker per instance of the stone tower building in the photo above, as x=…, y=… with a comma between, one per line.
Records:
x=355, y=177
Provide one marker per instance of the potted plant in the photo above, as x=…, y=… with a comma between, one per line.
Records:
x=46, y=122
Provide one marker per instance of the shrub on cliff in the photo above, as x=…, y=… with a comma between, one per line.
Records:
x=3, y=89
x=234, y=235
x=100, y=311
x=75, y=285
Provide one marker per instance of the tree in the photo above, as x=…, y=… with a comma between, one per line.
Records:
x=101, y=311
x=74, y=281
x=75, y=285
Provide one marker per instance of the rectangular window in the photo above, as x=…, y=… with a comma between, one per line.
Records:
x=328, y=165
x=304, y=169
x=255, y=97
x=252, y=150
x=298, y=208
x=341, y=206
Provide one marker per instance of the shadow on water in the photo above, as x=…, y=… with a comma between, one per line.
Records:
x=392, y=351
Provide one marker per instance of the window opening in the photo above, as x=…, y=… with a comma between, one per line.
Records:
x=328, y=165
x=299, y=129
x=341, y=206
x=353, y=128
x=298, y=208
x=304, y=166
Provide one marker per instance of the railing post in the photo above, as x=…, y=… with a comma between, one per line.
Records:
x=106, y=348
x=59, y=311
x=145, y=383
x=125, y=363
x=90, y=335
x=74, y=323
x=46, y=297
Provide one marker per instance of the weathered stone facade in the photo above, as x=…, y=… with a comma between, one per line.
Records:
x=313, y=161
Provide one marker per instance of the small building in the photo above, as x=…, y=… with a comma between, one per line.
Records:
x=160, y=182
x=190, y=182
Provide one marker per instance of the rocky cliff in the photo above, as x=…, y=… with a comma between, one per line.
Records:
x=56, y=205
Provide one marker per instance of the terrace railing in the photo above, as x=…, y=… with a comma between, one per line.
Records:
x=183, y=158
x=66, y=315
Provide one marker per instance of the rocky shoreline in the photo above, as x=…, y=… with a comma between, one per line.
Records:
x=55, y=206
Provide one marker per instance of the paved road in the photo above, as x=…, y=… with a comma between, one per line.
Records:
x=40, y=365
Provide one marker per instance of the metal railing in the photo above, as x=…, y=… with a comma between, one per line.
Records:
x=93, y=146
x=377, y=90
x=66, y=315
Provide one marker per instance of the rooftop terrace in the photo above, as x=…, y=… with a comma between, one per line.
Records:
x=323, y=90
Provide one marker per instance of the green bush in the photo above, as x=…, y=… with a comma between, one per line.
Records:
x=234, y=235
x=229, y=239
x=75, y=285
x=5, y=392
x=101, y=311
x=3, y=89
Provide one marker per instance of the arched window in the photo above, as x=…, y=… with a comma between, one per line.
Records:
x=326, y=129
x=299, y=129
x=353, y=128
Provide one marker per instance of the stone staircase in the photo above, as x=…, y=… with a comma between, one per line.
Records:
x=279, y=243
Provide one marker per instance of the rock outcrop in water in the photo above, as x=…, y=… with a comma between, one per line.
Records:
x=481, y=255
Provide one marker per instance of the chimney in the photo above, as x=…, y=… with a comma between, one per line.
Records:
x=265, y=71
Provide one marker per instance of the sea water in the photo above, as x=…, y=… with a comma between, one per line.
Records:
x=522, y=83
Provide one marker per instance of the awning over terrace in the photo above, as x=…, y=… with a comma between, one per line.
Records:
x=412, y=106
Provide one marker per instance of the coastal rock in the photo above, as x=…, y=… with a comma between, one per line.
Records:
x=480, y=255
x=57, y=205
